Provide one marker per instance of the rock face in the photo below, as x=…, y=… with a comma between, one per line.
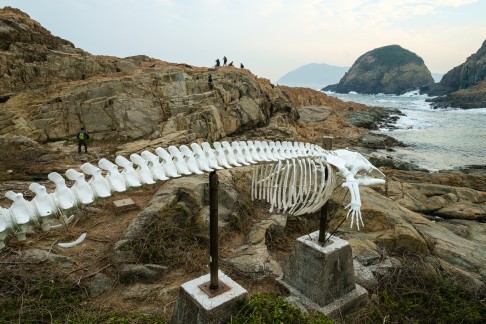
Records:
x=464, y=86
x=472, y=97
x=463, y=76
x=32, y=58
x=49, y=89
x=390, y=70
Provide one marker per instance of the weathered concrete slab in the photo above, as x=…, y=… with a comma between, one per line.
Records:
x=125, y=205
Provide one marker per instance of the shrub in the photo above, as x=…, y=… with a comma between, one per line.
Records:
x=416, y=294
x=266, y=309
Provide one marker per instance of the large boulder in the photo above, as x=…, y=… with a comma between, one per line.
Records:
x=389, y=69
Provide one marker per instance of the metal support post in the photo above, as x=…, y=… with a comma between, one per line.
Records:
x=213, y=229
x=214, y=287
x=327, y=145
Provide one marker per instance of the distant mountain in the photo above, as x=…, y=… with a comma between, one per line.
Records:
x=313, y=75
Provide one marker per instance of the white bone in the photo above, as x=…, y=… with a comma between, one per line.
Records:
x=6, y=226
x=228, y=152
x=132, y=177
x=179, y=162
x=238, y=152
x=201, y=158
x=21, y=209
x=295, y=178
x=21, y=213
x=81, y=188
x=268, y=152
x=221, y=155
x=43, y=202
x=190, y=159
x=167, y=162
x=79, y=240
x=254, y=152
x=210, y=155
x=154, y=165
x=98, y=183
x=63, y=195
x=246, y=151
x=113, y=176
x=143, y=170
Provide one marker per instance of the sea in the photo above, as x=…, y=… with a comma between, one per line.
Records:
x=436, y=139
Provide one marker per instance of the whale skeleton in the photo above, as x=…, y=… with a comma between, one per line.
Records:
x=293, y=177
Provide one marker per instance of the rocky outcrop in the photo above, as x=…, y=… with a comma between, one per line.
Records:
x=32, y=58
x=464, y=86
x=50, y=89
x=390, y=70
x=463, y=76
x=469, y=98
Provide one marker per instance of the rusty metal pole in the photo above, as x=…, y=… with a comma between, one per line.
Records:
x=213, y=230
x=327, y=145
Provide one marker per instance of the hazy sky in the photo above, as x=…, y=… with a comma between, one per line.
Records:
x=270, y=37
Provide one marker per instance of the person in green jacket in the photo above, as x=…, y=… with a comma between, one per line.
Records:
x=82, y=137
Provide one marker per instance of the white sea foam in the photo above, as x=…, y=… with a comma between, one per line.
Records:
x=436, y=138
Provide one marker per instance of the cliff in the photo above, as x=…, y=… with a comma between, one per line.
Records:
x=461, y=87
x=50, y=89
x=390, y=70
x=465, y=75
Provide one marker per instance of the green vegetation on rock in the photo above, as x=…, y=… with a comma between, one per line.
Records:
x=395, y=55
x=416, y=293
x=31, y=299
x=266, y=309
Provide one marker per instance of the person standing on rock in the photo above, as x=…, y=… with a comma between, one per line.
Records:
x=217, y=63
x=82, y=137
x=210, y=82
x=224, y=60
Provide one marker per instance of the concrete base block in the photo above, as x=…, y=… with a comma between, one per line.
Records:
x=322, y=276
x=337, y=310
x=195, y=306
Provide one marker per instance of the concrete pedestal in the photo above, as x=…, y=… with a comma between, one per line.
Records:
x=324, y=275
x=195, y=306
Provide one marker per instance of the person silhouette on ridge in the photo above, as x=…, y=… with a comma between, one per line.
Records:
x=224, y=60
x=217, y=63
